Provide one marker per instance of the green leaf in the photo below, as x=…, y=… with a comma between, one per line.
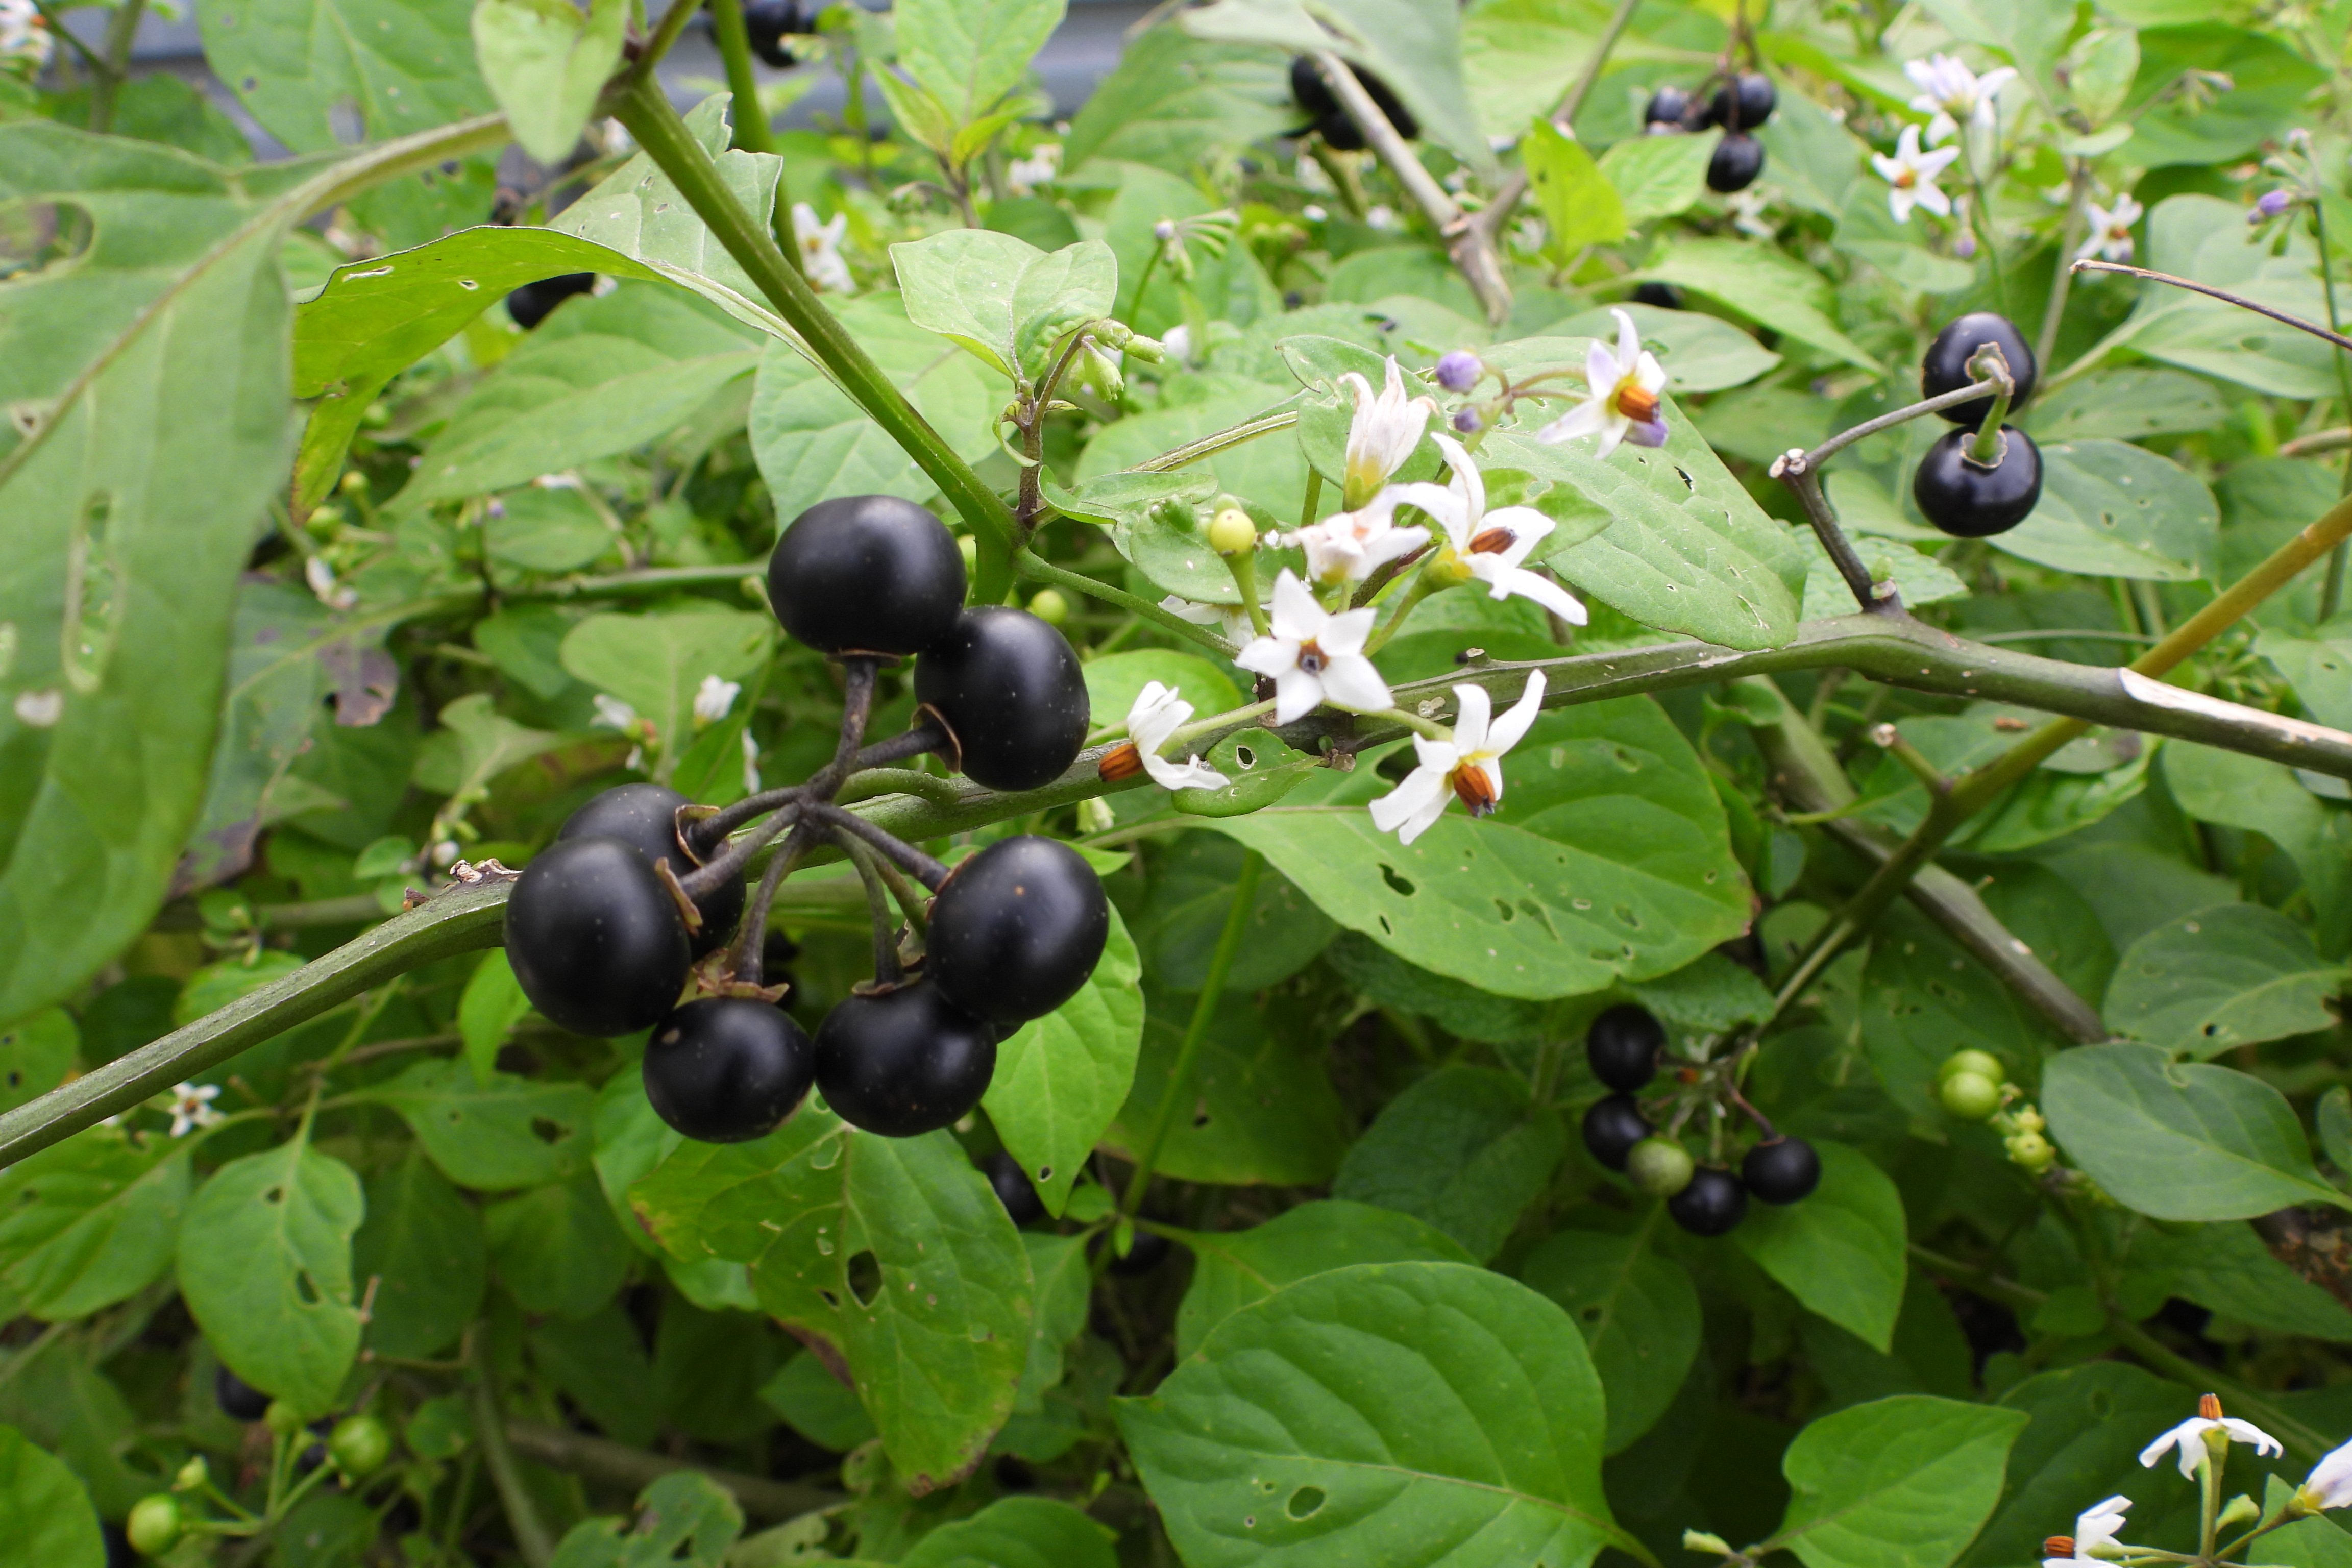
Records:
x=2112, y=510
x=546, y=64
x=218, y=983
x=2227, y=1270
x=1191, y=893
x=265, y=1269
x=969, y=54
x=2087, y=1426
x=656, y=662
x=1114, y=680
x=2234, y=974
x=2320, y=670
x=1638, y=1312
x=1463, y=1149
x=492, y=1133
x=1925, y=997
x=1520, y=60
x=45, y=1517
x=88, y=1223
x=474, y=744
x=2202, y=237
x=2268, y=83
x=2026, y=33
x=2179, y=1142
x=2233, y=790
x=1270, y=472
x=557, y=1248
x=1841, y=1251
x=1658, y=176
x=1456, y=1006
x=1001, y=297
x=1764, y=285
x=323, y=76
x=1868, y=229
x=1061, y=1079
x=546, y=530
x=1174, y=101
x=420, y=1247
x=1062, y=1272
x=1902, y=1482
x=1232, y=1270
x=1407, y=1414
x=125, y=535
x=1123, y=497
x=1920, y=577
x=488, y=1010
x=37, y=1054
x=685, y=1519
x=1261, y=1106
x=1017, y=1533
x=2126, y=405
x=891, y=1256
x=1699, y=353
x=1580, y=205
x=817, y=1404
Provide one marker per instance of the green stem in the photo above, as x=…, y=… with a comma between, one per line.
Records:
x=2331, y=591
x=673, y=23
x=1421, y=588
x=531, y=1534
x=1143, y=281
x=752, y=132
x=1205, y=1010
x=2069, y=233
x=120, y=32
x=1208, y=446
x=1306, y=508
x=649, y=117
x=1986, y=450
x=1037, y=569
x=1243, y=564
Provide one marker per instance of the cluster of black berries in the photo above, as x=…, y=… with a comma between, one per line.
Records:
x=1328, y=120
x=606, y=925
x=1967, y=497
x=769, y=22
x=1624, y=1047
x=1740, y=105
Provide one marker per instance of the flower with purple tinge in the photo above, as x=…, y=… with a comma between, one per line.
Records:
x=1459, y=371
x=2269, y=205
x=1468, y=766
x=1315, y=656
x=1466, y=421
x=1388, y=424
x=1623, y=403
x=2111, y=230
x=1910, y=176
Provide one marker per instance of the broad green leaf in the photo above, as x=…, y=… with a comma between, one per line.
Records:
x=2202, y=237
x=546, y=63
x=2087, y=1426
x=2319, y=668
x=1114, y=680
x=1260, y=1107
x=1658, y=176
x=492, y=1133
x=37, y=1054
x=1699, y=353
x=685, y=1519
x=546, y=529
x=1017, y=1533
x=557, y=1248
x=1463, y=1149
x=2227, y=1270
x=421, y=1246
x=1841, y=1251
x=1923, y=998
x=655, y=662
x=630, y=1140
x=1113, y=498
x=1173, y=101
x=1404, y=1413
x=45, y=1517
x=2125, y=404
x=2268, y=81
x=1905, y=1482
x=2234, y=974
x=2234, y=790
x=75, y=1411
x=1231, y=1269
x=88, y=1223
x=1868, y=229
x=2179, y=1142
x=488, y=1010
x=817, y=1404
x=1062, y=1270
x=1579, y=205
x=968, y=53
x=1519, y=56
x=1814, y=159
x=265, y=1262
x=1920, y=577
x=1268, y=471
x=2112, y=510
x=154, y=428
x=1061, y=1079
x=322, y=75
x=474, y=744
x=1002, y=297
x=892, y=1255
x=1763, y=285
x=1183, y=913
x=1456, y=1005
x=2028, y=33
x=813, y=444
x=1638, y=1312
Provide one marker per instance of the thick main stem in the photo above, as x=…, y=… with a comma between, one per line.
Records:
x=122, y=31
x=751, y=130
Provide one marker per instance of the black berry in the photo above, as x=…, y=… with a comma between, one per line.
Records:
x=1743, y=103
x=1711, y=1204
x=596, y=941
x=1946, y=367
x=239, y=1400
x=1782, y=1171
x=723, y=1069
x=767, y=22
x=1969, y=500
x=1017, y=929
x=903, y=1062
x=645, y=815
x=529, y=304
x=1613, y=1127
x=1013, y=1189
x=1622, y=1047
x=1669, y=106
x=1009, y=689
x=1313, y=95
x=866, y=574
x=1739, y=158
x=1664, y=296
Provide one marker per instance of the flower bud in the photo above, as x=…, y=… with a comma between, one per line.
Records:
x=282, y=1418
x=1467, y=421
x=1150, y=351
x=1164, y=230
x=1459, y=371
x=2242, y=1509
x=192, y=1476
x=1231, y=533
x=1700, y=1541
x=2269, y=205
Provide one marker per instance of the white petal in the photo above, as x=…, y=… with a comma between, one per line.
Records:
x=1628, y=339
x=1517, y=582
x=1426, y=817
x=1440, y=502
x=1345, y=634
x=1889, y=169
x=1934, y=200
x=1397, y=807
x=1295, y=613
x=2247, y=1432
x=1190, y=773
x=1268, y=656
x=1296, y=694
x=1350, y=681
x=1466, y=477
x=1612, y=430
x=1931, y=164
x=1391, y=545
x=1470, y=723
x=1899, y=202
x=1512, y=727
x=1648, y=374
x=1529, y=528
x=1601, y=371
x=1584, y=420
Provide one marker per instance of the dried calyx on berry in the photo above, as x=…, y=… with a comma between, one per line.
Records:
x=597, y=940
x=645, y=816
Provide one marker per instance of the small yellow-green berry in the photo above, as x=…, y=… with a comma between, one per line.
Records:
x=2030, y=1151
x=1984, y=1064
x=155, y=1524
x=1659, y=1167
x=1231, y=531
x=359, y=1445
x=1972, y=1096
x=1048, y=605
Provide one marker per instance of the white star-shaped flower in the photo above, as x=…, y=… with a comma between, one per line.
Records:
x=820, y=246
x=1489, y=545
x=1910, y=176
x=2329, y=1485
x=192, y=1107
x=1157, y=714
x=1468, y=767
x=612, y=713
x=1315, y=656
x=1951, y=92
x=2188, y=1437
x=714, y=698
x=1623, y=402
x=1349, y=546
x=1386, y=427
x=2110, y=238
x=1023, y=175
x=2095, y=1528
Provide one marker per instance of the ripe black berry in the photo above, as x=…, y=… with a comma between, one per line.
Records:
x=529, y=304
x=1613, y=1127
x=1012, y=1188
x=1009, y=689
x=1946, y=367
x=1744, y=103
x=1739, y=158
x=866, y=574
x=645, y=816
x=1711, y=1204
x=767, y=22
x=1622, y=1047
x=1669, y=106
x=1017, y=929
x=1313, y=95
x=239, y=1400
x=595, y=938
x=1782, y=1171
x=1969, y=500
x=903, y=1062
x=723, y=1069
x=1664, y=296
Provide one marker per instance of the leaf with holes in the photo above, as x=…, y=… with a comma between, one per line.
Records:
x=37, y=1054
x=1903, y=1482
x=1463, y=1149
x=266, y=1269
x=323, y=75
x=1232, y=1270
x=492, y=1134
x=2232, y=976
x=892, y=1257
x=685, y=1519
x=1639, y=1314
x=1404, y=1413
x=89, y=1223
x=420, y=1260
x=2112, y=510
x=1841, y=1251
x=1061, y=1079
x=1017, y=1533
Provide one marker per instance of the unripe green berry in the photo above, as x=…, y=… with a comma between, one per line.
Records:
x=282, y=1418
x=1231, y=531
x=1972, y=1096
x=1659, y=1167
x=155, y=1524
x=1984, y=1064
x=1049, y=606
x=2032, y=1150
x=359, y=1445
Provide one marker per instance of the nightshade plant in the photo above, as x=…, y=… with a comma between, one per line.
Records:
x=1476, y=784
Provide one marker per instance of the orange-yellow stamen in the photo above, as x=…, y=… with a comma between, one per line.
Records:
x=1637, y=403
x=2058, y=1546
x=1474, y=789
x=1491, y=541
x=1121, y=761
x=2209, y=1405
